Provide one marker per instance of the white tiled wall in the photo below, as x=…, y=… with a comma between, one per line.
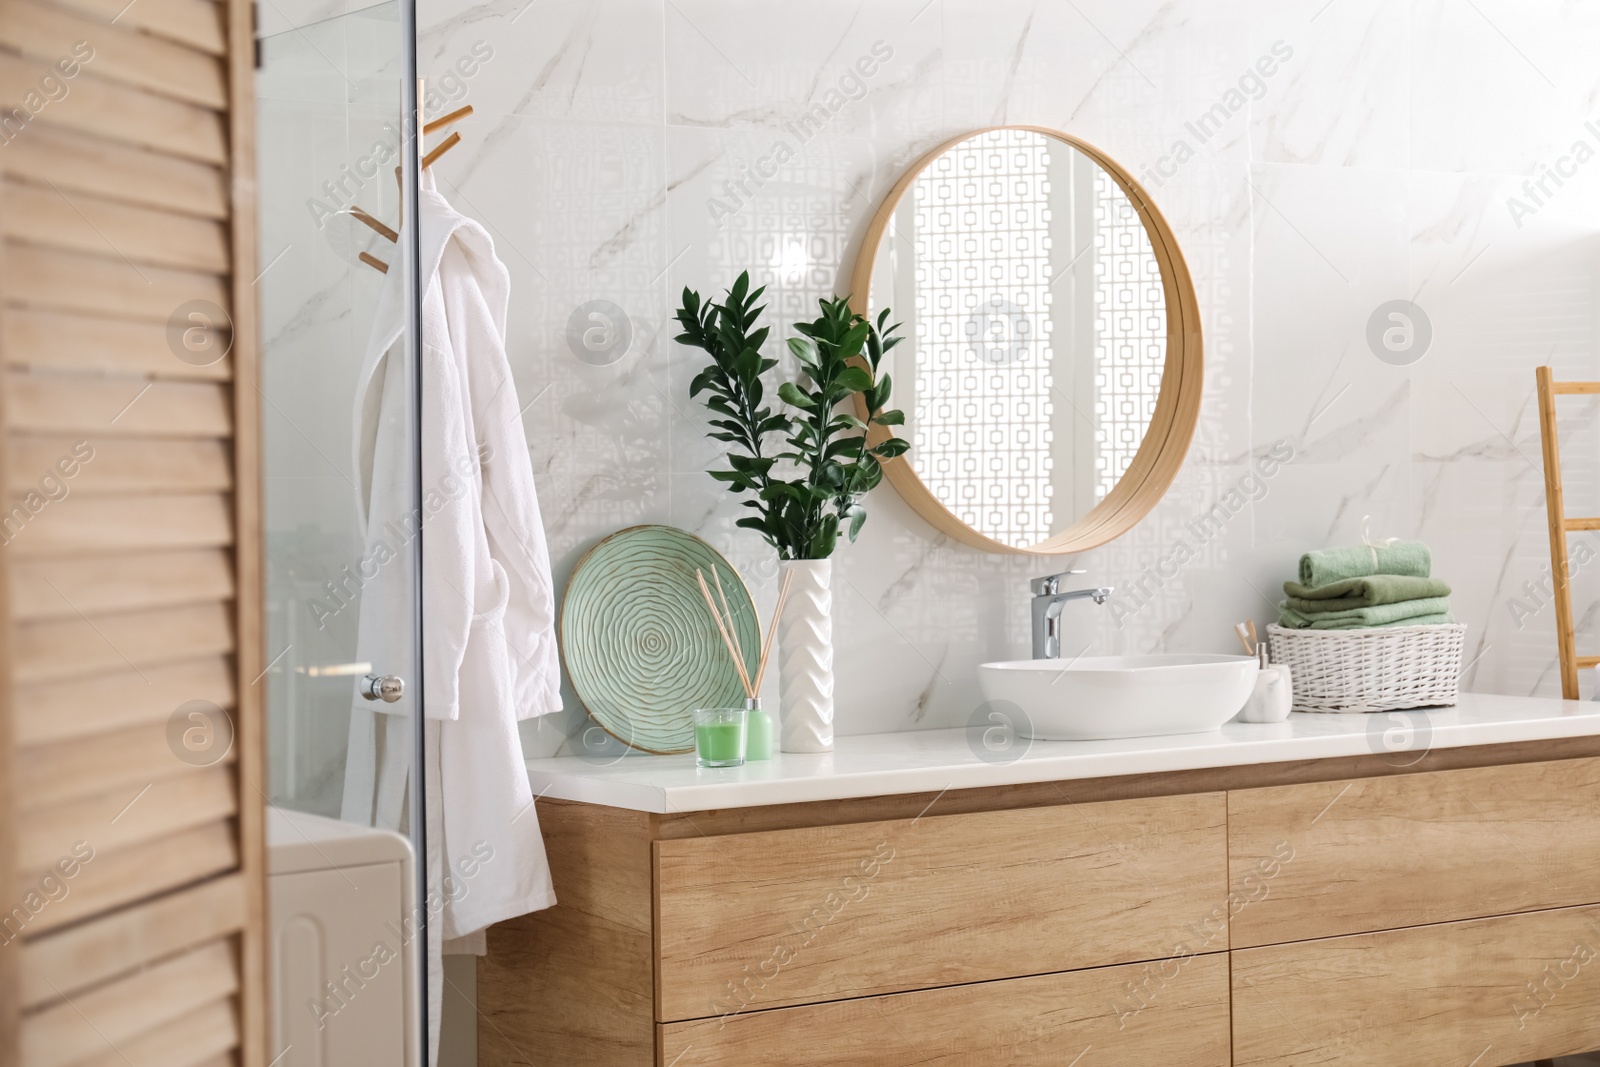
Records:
x=1374, y=164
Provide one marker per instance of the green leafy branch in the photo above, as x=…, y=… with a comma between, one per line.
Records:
x=829, y=463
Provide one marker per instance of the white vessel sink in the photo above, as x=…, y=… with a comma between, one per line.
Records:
x=1098, y=697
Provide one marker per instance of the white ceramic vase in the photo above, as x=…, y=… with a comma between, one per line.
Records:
x=805, y=658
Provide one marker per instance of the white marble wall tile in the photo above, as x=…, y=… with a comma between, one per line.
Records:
x=1502, y=299
x=1502, y=85
x=1313, y=505
x=1334, y=89
x=1124, y=77
x=1338, y=240
x=287, y=16
x=1485, y=522
x=1207, y=204
x=794, y=231
x=856, y=68
x=1177, y=574
x=576, y=60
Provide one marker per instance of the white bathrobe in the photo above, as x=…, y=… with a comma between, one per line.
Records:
x=489, y=643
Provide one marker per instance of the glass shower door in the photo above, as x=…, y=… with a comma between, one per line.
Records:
x=342, y=533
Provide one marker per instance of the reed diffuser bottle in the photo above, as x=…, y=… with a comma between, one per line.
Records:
x=761, y=736
x=761, y=729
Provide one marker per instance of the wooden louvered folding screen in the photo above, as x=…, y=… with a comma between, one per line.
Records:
x=129, y=543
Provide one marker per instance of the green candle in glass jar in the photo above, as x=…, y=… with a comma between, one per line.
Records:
x=719, y=736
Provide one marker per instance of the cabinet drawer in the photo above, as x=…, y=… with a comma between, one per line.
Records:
x=784, y=917
x=1486, y=991
x=1172, y=1011
x=1348, y=857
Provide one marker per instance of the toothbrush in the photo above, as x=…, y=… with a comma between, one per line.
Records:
x=1244, y=638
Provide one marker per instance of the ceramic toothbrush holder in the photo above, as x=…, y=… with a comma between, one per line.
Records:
x=1273, y=695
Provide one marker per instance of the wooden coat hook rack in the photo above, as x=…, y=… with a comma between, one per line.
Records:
x=428, y=160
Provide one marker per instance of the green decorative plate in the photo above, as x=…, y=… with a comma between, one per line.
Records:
x=639, y=642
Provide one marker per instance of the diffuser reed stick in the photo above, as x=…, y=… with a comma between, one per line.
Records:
x=730, y=633
x=772, y=628
x=733, y=631
x=729, y=641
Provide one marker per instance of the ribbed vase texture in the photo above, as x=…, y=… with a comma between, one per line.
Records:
x=805, y=658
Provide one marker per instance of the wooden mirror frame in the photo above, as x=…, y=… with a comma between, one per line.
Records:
x=1166, y=441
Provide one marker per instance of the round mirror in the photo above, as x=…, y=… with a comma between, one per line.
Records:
x=1051, y=371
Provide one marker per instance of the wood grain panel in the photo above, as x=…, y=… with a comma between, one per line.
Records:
x=605, y=860
x=126, y=464
x=70, y=1031
x=50, y=340
x=72, y=770
x=95, y=524
x=1048, y=1021
x=94, y=285
x=60, y=588
x=1481, y=841
x=115, y=879
x=81, y=707
x=856, y=906
x=196, y=1040
x=125, y=816
x=599, y=1005
x=117, y=112
x=70, y=648
x=598, y=1008
x=250, y=611
x=129, y=575
x=196, y=23
x=63, y=963
x=83, y=222
x=58, y=403
x=48, y=32
x=1488, y=991
x=79, y=163
x=10, y=978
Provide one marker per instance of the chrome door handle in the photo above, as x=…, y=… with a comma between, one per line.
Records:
x=387, y=688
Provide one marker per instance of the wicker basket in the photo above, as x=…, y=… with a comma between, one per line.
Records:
x=1371, y=670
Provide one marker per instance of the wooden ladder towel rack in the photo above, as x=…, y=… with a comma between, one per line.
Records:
x=1561, y=525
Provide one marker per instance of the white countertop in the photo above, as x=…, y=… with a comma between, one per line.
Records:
x=932, y=760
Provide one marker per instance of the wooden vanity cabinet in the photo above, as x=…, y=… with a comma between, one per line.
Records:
x=1511, y=989
x=1344, y=911
x=1049, y=1019
x=1383, y=853
x=807, y=915
x=1420, y=918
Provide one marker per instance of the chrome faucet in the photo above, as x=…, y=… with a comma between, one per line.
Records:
x=1047, y=603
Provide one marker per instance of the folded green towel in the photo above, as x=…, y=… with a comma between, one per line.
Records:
x=1407, y=613
x=1358, y=561
x=1362, y=592
x=1420, y=620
